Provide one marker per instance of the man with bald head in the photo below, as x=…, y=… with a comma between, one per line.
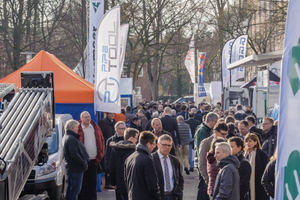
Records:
x=170, y=125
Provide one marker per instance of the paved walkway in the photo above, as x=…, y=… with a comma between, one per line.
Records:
x=189, y=192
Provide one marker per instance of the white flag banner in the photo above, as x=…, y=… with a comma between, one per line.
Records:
x=107, y=80
x=96, y=13
x=238, y=52
x=288, y=156
x=190, y=60
x=226, y=53
x=123, y=40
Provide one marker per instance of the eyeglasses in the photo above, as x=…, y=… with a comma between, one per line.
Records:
x=121, y=128
x=166, y=145
x=224, y=133
x=153, y=143
x=87, y=117
x=265, y=124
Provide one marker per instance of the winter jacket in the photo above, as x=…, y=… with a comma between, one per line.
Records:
x=203, y=150
x=245, y=175
x=140, y=175
x=75, y=154
x=268, y=179
x=240, y=115
x=99, y=140
x=270, y=142
x=261, y=161
x=212, y=170
x=120, y=152
x=203, y=132
x=107, y=160
x=129, y=116
x=227, y=182
x=108, y=128
x=170, y=124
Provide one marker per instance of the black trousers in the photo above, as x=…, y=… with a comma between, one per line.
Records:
x=202, y=189
x=121, y=196
x=88, y=188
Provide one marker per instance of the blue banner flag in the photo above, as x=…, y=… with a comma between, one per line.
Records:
x=201, y=68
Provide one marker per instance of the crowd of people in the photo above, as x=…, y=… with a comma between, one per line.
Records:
x=144, y=151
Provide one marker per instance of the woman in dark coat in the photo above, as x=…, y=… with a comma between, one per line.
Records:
x=258, y=161
x=268, y=179
x=212, y=168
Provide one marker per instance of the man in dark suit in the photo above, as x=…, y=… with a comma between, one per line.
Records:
x=183, y=112
x=168, y=170
x=170, y=125
x=193, y=125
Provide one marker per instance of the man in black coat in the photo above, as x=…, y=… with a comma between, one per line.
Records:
x=76, y=158
x=139, y=174
x=237, y=146
x=136, y=123
x=120, y=152
x=168, y=170
x=240, y=114
x=183, y=112
x=253, y=129
x=170, y=125
x=193, y=125
x=117, y=137
x=270, y=138
x=107, y=126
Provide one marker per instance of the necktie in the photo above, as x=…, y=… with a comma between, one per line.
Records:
x=167, y=175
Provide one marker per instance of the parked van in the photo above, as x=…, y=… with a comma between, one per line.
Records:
x=51, y=177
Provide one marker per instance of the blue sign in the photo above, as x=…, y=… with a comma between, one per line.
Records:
x=201, y=68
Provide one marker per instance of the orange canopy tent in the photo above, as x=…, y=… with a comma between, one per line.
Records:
x=70, y=90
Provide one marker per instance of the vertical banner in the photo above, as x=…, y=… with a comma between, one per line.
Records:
x=190, y=60
x=123, y=40
x=201, y=68
x=107, y=79
x=96, y=13
x=238, y=52
x=226, y=53
x=288, y=157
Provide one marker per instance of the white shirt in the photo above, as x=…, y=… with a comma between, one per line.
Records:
x=90, y=141
x=161, y=158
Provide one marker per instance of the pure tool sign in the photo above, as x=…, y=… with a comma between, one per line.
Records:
x=96, y=13
x=288, y=159
x=107, y=82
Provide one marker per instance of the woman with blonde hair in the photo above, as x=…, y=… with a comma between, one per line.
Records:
x=212, y=168
x=258, y=161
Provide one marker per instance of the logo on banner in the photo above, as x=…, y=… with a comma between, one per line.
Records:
x=107, y=97
x=96, y=5
x=295, y=69
x=292, y=177
x=188, y=55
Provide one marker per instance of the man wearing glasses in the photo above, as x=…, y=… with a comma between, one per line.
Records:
x=168, y=170
x=219, y=130
x=92, y=138
x=270, y=139
x=139, y=174
x=117, y=137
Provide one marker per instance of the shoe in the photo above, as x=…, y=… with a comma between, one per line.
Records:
x=191, y=169
x=187, y=171
x=109, y=187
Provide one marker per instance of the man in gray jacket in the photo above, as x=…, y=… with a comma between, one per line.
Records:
x=228, y=179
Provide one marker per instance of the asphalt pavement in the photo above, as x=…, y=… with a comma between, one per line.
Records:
x=189, y=192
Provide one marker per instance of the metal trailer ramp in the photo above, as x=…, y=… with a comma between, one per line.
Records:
x=26, y=122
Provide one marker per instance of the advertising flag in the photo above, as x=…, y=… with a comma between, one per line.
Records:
x=190, y=60
x=226, y=53
x=201, y=68
x=238, y=52
x=96, y=13
x=288, y=156
x=107, y=79
x=123, y=40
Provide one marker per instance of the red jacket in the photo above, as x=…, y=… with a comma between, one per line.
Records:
x=99, y=140
x=212, y=171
